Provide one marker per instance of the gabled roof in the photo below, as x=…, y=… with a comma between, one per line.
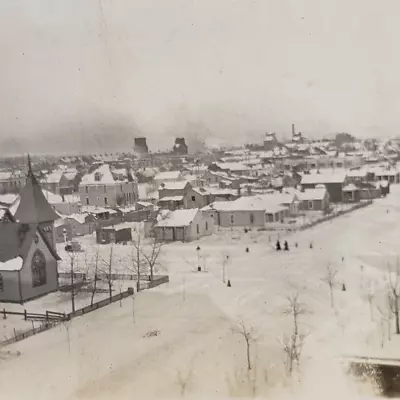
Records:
x=33, y=207
x=178, y=218
x=104, y=175
x=16, y=240
x=313, y=194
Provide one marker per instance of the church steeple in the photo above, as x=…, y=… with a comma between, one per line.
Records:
x=30, y=173
x=33, y=207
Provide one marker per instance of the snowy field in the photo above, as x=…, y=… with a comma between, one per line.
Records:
x=198, y=352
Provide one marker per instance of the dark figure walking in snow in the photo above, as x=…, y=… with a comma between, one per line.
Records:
x=343, y=287
x=296, y=245
x=286, y=246
x=311, y=246
x=278, y=246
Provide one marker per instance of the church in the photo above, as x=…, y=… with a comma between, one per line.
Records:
x=28, y=256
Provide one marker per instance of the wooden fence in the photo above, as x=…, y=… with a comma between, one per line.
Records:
x=337, y=214
x=52, y=319
x=49, y=315
x=77, y=275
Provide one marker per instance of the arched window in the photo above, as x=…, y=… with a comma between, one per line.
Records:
x=1, y=283
x=38, y=269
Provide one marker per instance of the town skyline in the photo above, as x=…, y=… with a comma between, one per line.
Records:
x=236, y=70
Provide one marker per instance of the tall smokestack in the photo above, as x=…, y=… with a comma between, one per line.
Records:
x=293, y=131
x=141, y=145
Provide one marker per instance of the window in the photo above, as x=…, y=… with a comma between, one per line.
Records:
x=1, y=283
x=206, y=226
x=251, y=219
x=232, y=219
x=193, y=198
x=38, y=269
x=105, y=189
x=198, y=229
x=87, y=201
x=310, y=204
x=105, y=200
x=87, y=189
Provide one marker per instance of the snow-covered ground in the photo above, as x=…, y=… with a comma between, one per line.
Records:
x=104, y=353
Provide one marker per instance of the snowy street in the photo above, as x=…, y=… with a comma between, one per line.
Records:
x=104, y=354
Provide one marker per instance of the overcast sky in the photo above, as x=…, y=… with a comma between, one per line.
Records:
x=233, y=67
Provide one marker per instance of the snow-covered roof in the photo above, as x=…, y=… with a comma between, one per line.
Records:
x=357, y=173
x=104, y=174
x=78, y=217
x=8, y=198
x=179, y=185
x=145, y=204
x=232, y=166
x=168, y=176
x=313, y=194
x=54, y=177
x=178, y=218
x=267, y=203
x=172, y=198
x=201, y=191
x=350, y=188
x=70, y=175
x=95, y=209
x=323, y=178
x=15, y=264
x=5, y=175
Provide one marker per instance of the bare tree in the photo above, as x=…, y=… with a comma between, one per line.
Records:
x=293, y=345
x=394, y=294
x=137, y=263
x=71, y=255
x=108, y=264
x=386, y=316
x=249, y=338
x=152, y=255
x=330, y=280
x=95, y=271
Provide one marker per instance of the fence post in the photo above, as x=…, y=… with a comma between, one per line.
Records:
x=47, y=315
x=25, y=315
x=4, y=314
x=15, y=334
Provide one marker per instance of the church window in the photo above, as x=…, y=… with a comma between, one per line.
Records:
x=87, y=201
x=1, y=283
x=87, y=189
x=38, y=269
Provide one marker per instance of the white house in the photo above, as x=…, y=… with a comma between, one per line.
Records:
x=183, y=225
